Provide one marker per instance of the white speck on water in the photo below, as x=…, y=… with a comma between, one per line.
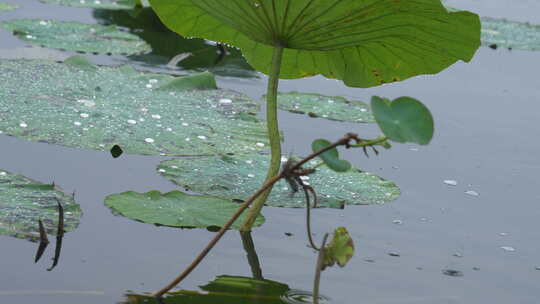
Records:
x=458, y=255
x=153, y=81
x=149, y=140
x=23, y=125
x=414, y=149
x=503, y=234
x=156, y=116
x=397, y=222
x=201, y=137
x=508, y=248
x=259, y=144
x=472, y=193
x=77, y=123
x=132, y=121
x=225, y=101
x=162, y=170
x=450, y=182
x=84, y=115
x=251, y=175
x=185, y=124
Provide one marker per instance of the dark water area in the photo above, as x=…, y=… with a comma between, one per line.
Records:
x=486, y=227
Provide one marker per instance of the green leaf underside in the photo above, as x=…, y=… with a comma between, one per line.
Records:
x=331, y=157
x=104, y=4
x=239, y=177
x=329, y=107
x=91, y=107
x=362, y=42
x=340, y=250
x=228, y=290
x=403, y=120
x=509, y=34
x=7, y=6
x=176, y=209
x=23, y=202
x=76, y=36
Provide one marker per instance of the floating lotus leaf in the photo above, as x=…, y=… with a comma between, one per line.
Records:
x=176, y=209
x=362, y=42
x=510, y=34
x=76, y=36
x=23, y=202
x=105, y=4
x=7, y=6
x=230, y=290
x=82, y=105
x=329, y=107
x=239, y=177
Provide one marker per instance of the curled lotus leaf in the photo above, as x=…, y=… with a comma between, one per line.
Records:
x=76, y=36
x=78, y=104
x=238, y=177
x=23, y=202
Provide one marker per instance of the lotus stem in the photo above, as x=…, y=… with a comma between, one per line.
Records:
x=273, y=134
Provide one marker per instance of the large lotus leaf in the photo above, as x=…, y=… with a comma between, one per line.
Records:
x=23, y=202
x=105, y=4
x=362, y=42
x=176, y=209
x=81, y=105
x=7, y=6
x=329, y=107
x=240, y=176
x=510, y=34
x=230, y=290
x=76, y=36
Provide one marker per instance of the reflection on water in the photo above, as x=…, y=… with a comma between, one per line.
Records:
x=231, y=290
x=193, y=54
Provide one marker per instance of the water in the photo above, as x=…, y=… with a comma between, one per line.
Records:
x=486, y=115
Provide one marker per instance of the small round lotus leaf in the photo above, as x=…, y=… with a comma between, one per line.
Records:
x=330, y=157
x=82, y=105
x=76, y=36
x=104, y=4
x=23, y=202
x=509, y=34
x=176, y=209
x=362, y=42
x=329, y=107
x=7, y=6
x=340, y=250
x=239, y=177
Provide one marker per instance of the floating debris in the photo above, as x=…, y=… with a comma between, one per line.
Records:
x=452, y=273
x=369, y=260
x=537, y=268
x=288, y=234
x=503, y=234
x=508, y=248
x=458, y=255
x=472, y=193
x=476, y=268
x=397, y=222
x=450, y=182
x=394, y=254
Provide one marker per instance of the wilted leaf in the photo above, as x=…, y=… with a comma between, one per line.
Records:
x=176, y=209
x=239, y=177
x=340, y=250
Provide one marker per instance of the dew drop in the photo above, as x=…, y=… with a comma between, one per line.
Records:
x=251, y=175
x=185, y=124
x=43, y=22
x=153, y=81
x=169, y=129
x=225, y=101
x=259, y=144
x=149, y=140
x=77, y=123
x=2, y=173
x=249, y=161
x=131, y=121
x=84, y=115
x=149, y=86
x=201, y=137
x=156, y=116
x=162, y=171
x=23, y=125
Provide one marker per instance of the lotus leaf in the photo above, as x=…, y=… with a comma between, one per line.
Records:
x=510, y=34
x=23, y=202
x=362, y=42
x=238, y=177
x=329, y=107
x=76, y=36
x=105, y=4
x=7, y=6
x=176, y=209
x=82, y=105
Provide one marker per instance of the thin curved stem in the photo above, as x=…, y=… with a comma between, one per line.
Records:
x=273, y=134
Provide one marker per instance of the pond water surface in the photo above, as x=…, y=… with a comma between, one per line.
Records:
x=486, y=115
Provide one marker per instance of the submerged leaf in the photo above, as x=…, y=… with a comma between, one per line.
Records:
x=239, y=177
x=329, y=107
x=105, y=4
x=510, y=34
x=362, y=42
x=76, y=36
x=403, y=120
x=7, y=6
x=330, y=157
x=176, y=209
x=24, y=202
x=340, y=250
x=75, y=106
